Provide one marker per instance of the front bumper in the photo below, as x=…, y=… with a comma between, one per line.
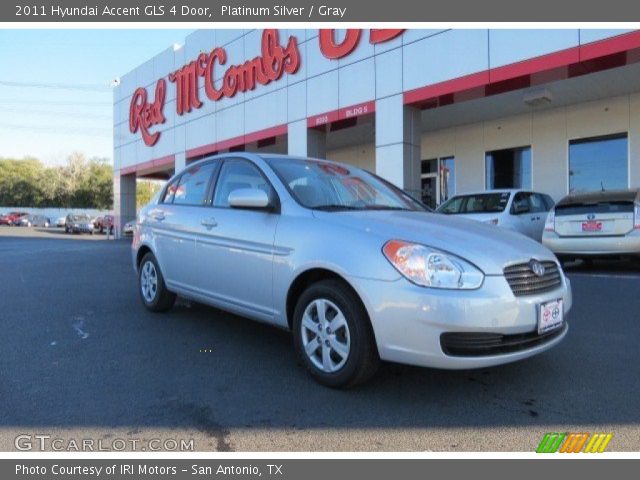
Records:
x=408, y=321
x=628, y=244
x=82, y=228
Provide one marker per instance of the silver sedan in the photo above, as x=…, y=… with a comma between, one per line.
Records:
x=356, y=269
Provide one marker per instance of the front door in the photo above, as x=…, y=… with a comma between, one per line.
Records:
x=235, y=246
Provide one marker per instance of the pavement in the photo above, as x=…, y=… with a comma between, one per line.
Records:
x=83, y=365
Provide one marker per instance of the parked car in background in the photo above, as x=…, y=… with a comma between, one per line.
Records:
x=78, y=223
x=11, y=217
x=104, y=223
x=596, y=224
x=33, y=221
x=128, y=228
x=357, y=269
x=518, y=210
x=60, y=222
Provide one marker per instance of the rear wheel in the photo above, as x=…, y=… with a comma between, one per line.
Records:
x=333, y=336
x=153, y=291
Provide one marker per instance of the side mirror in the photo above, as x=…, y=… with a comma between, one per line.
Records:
x=249, y=198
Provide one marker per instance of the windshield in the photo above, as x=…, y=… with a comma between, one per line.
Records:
x=597, y=207
x=80, y=218
x=333, y=187
x=478, y=203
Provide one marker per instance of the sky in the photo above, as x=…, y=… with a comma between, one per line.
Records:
x=76, y=115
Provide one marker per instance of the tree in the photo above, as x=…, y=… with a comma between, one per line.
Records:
x=80, y=183
x=145, y=190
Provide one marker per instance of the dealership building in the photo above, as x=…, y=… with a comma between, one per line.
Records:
x=436, y=112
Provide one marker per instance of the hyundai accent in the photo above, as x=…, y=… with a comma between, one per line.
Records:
x=354, y=267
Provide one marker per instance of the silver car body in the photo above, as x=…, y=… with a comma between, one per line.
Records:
x=529, y=223
x=246, y=262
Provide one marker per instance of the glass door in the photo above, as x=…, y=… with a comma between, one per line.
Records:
x=437, y=180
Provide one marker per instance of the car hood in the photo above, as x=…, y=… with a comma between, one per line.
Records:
x=486, y=246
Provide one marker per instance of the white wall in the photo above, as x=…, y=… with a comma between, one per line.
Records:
x=372, y=72
x=548, y=133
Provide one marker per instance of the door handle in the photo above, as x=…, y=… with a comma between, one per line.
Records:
x=158, y=216
x=209, y=223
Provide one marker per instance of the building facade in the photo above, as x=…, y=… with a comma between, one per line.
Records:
x=436, y=112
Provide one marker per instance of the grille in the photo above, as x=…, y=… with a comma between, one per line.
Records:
x=523, y=281
x=468, y=344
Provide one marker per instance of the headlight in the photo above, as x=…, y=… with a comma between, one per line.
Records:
x=429, y=267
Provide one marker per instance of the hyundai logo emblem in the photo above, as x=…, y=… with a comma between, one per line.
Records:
x=537, y=268
x=591, y=216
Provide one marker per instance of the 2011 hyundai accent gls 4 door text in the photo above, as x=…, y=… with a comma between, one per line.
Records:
x=358, y=270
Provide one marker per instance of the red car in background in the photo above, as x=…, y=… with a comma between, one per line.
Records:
x=104, y=223
x=11, y=218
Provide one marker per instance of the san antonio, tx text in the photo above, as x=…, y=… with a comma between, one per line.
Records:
x=145, y=469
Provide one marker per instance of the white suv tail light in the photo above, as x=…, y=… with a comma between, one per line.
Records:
x=550, y=224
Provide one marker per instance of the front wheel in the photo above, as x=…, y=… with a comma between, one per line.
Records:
x=333, y=336
x=153, y=291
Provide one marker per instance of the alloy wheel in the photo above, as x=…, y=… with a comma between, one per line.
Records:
x=325, y=335
x=149, y=281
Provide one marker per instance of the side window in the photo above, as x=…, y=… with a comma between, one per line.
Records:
x=537, y=203
x=236, y=174
x=521, y=203
x=193, y=185
x=170, y=192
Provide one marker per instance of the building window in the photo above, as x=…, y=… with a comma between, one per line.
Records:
x=437, y=180
x=508, y=168
x=598, y=163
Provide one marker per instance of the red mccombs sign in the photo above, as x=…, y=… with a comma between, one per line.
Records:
x=274, y=61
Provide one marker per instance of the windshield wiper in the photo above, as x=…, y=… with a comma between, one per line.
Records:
x=335, y=207
x=385, y=207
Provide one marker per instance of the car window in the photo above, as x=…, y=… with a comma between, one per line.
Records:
x=193, y=185
x=521, y=203
x=236, y=174
x=476, y=203
x=537, y=203
x=170, y=192
x=453, y=205
x=549, y=201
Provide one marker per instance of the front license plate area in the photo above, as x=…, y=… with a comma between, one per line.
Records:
x=550, y=316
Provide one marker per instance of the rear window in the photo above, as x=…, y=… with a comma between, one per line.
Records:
x=479, y=203
x=600, y=207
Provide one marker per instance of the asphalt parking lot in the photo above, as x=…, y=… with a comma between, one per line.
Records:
x=82, y=359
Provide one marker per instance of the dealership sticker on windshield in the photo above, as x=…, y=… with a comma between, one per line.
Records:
x=550, y=316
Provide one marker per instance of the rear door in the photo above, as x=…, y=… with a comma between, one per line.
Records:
x=606, y=218
x=176, y=221
x=522, y=215
x=539, y=211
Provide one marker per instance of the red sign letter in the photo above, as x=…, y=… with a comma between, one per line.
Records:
x=333, y=50
x=143, y=115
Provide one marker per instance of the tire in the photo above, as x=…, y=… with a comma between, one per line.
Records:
x=355, y=336
x=66, y=229
x=162, y=299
